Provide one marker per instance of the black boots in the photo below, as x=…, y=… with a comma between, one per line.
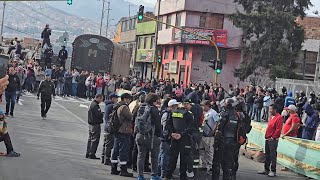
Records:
x=124, y=171
x=114, y=169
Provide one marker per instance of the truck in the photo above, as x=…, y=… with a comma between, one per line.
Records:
x=99, y=54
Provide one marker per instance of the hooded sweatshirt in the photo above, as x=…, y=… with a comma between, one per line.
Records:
x=289, y=100
x=312, y=120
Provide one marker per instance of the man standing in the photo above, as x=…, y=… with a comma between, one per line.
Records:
x=108, y=138
x=11, y=91
x=48, y=53
x=272, y=135
x=180, y=129
x=207, y=131
x=46, y=89
x=122, y=136
x=45, y=35
x=291, y=126
x=63, y=55
x=95, y=119
x=75, y=81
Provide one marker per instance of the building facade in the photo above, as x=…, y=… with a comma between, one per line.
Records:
x=126, y=36
x=145, y=51
x=186, y=56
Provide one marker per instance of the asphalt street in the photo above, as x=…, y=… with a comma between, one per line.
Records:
x=54, y=149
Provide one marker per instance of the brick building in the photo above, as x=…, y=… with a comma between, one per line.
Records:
x=185, y=56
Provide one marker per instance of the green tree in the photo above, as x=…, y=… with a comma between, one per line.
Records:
x=270, y=35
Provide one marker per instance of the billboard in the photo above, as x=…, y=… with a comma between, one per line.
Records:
x=218, y=36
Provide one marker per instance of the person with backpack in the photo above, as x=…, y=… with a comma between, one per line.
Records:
x=180, y=128
x=207, y=130
x=120, y=124
x=108, y=138
x=164, y=154
x=95, y=119
x=225, y=141
x=148, y=128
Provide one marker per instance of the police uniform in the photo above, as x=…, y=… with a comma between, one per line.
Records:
x=46, y=89
x=225, y=144
x=181, y=123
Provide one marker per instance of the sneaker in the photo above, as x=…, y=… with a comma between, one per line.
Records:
x=94, y=157
x=272, y=174
x=264, y=172
x=13, y=154
x=190, y=174
x=141, y=178
x=12, y=116
x=155, y=178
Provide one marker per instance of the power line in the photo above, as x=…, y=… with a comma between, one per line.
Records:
x=23, y=12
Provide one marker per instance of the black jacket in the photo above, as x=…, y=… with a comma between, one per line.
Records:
x=46, y=89
x=63, y=54
x=14, y=83
x=156, y=120
x=46, y=33
x=249, y=97
x=95, y=116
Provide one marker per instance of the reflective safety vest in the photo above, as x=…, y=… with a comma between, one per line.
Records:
x=179, y=121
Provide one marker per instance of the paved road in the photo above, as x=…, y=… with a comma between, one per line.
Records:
x=54, y=149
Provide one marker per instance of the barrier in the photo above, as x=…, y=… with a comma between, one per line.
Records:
x=299, y=155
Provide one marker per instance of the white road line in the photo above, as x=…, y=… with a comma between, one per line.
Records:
x=19, y=102
x=84, y=106
x=70, y=112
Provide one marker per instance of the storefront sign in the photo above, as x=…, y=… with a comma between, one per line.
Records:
x=173, y=67
x=146, y=56
x=166, y=66
x=218, y=36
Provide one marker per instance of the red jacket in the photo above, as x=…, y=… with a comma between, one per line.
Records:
x=99, y=82
x=274, y=127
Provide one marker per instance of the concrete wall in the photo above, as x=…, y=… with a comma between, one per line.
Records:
x=128, y=36
x=200, y=70
x=146, y=28
x=217, y=6
x=234, y=33
x=233, y=61
x=170, y=6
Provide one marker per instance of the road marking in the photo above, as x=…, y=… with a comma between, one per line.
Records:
x=70, y=112
x=84, y=106
x=19, y=102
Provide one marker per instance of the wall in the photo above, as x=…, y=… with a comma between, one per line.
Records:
x=128, y=36
x=170, y=6
x=200, y=70
x=217, y=6
x=146, y=28
x=233, y=61
x=311, y=26
x=234, y=33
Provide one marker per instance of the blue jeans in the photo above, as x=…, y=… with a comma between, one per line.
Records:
x=163, y=160
x=99, y=90
x=258, y=115
x=254, y=111
x=120, y=148
x=74, y=89
x=67, y=89
x=249, y=109
x=10, y=101
x=60, y=88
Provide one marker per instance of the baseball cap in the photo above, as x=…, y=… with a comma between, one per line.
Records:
x=291, y=107
x=205, y=103
x=113, y=95
x=173, y=102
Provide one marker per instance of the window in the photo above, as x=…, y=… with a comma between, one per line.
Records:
x=152, y=42
x=202, y=21
x=166, y=56
x=175, y=52
x=160, y=24
x=145, y=43
x=141, y=43
x=124, y=26
x=130, y=24
x=168, y=21
x=178, y=19
x=211, y=21
x=185, y=53
x=133, y=25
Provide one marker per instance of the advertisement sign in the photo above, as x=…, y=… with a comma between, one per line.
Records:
x=145, y=56
x=173, y=67
x=218, y=36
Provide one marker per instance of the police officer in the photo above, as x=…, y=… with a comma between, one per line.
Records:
x=46, y=89
x=300, y=102
x=63, y=55
x=225, y=142
x=180, y=128
x=95, y=119
x=313, y=98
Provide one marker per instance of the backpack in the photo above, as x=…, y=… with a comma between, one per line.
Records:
x=143, y=122
x=241, y=130
x=114, y=123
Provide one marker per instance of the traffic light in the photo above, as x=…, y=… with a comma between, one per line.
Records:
x=141, y=13
x=219, y=67
x=213, y=65
x=69, y=2
x=159, y=59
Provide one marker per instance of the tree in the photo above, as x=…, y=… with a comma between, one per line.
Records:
x=270, y=35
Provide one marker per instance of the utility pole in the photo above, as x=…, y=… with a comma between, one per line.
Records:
x=102, y=16
x=2, y=22
x=108, y=13
x=316, y=75
x=157, y=49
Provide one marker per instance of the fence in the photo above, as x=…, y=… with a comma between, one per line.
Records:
x=297, y=85
x=299, y=155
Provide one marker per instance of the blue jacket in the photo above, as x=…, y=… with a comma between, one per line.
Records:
x=107, y=111
x=312, y=120
x=289, y=100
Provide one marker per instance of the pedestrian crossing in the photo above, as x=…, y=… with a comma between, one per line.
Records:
x=57, y=98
